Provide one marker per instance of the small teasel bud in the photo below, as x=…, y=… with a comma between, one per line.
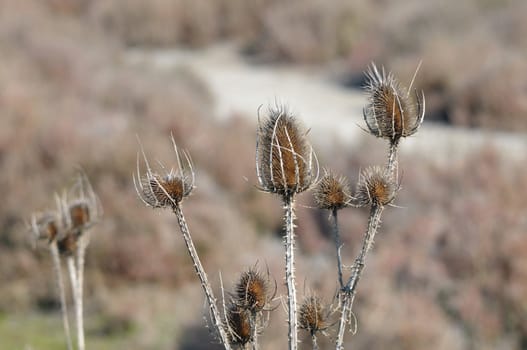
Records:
x=165, y=188
x=332, y=192
x=79, y=214
x=312, y=316
x=376, y=187
x=45, y=226
x=285, y=161
x=252, y=291
x=391, y=113
x=68, y=244
x=239, y=325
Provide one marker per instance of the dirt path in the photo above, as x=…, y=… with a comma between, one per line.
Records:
x=334, y=111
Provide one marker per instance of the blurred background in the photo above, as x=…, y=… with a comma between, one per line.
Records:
x=80, y=79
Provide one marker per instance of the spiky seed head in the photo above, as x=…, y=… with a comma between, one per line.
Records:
x=252, y=291
x=68, y=244
x=284, y=158
x=332, y=192
x=79, y=214
x=312, y=317
x=239, y=325
x=165, y=189
x=45, y=226
x=376, y=187
x=391, y=112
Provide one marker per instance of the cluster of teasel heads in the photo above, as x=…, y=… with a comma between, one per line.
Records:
x=65, y=230
x=287, y=166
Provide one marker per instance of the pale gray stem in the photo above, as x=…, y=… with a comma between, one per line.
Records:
x=81, y=251
x=254, y=328
x=290, y=271
x=314, y=341
x=214, y=312
x=391, y=166
x=62, y=292
x=348, y=293
x=338, y=245
x=75, y=292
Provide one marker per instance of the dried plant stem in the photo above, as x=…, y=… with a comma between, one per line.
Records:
x=391, y=166
x=348, y=294
x=314, y=341
x=62, y=292
x=214, y=312
x=81, y=252
x=75, y=291
x=254, y=329
x=290, y=271
x=338, y=246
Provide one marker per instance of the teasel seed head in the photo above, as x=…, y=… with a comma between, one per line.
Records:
x=332, y=192
x=252, y=291
x=285, y=162
x=391, y=113
x=45, y=226
x=165, y=189
x=312, y=316
x=239, y=325
x=68, y=244
x=376, y=187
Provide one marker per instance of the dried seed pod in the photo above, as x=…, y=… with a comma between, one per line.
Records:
x=45, y=226
x=312, y=316
x=376, y=187
x=79, y=214
x=239, y=325
x=168, y=189
x=332, y=192
x=252, y=291
x=391, y=113
x=284, y=158
x=68, y=244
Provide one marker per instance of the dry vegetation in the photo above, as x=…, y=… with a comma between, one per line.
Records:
x=451, y=270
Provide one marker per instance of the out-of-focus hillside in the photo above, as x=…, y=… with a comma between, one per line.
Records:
x=78, y=82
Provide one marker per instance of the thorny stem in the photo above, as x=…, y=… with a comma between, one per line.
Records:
x=348, y=294
x=254, y=329
x=338, y=246
x=62, y=292
x=290, y=271
x=391, y=166
x=81, y=252
x=214, y=312
x=314, y=341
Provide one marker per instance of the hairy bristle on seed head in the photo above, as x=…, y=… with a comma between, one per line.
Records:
x=252, y=291
x=376, y=187
x=311, y=315
x=391, y=112
x=284, y=158
x=332, y=192
x=239, y=325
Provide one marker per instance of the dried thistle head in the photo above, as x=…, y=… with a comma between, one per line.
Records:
x=376, y=187
x=391, y=113
x=285, y=162
x=332, y=192
x=252, y=291
x=68, y=244
x=45, y=226
x=162, y=189
x=239, y=325
x=312, y=316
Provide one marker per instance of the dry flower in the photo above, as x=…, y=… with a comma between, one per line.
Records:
x=312, y=317
x=391, y=113
x=284, y=158
x=376, y=187
x=239, y=325
x=332, y=192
